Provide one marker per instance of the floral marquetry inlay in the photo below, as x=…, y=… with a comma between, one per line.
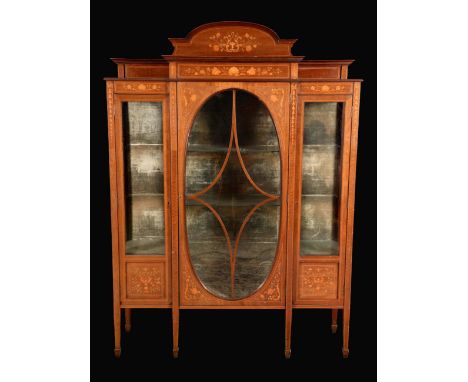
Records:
x=318, y=281
x=273, y=291
x=232, y=42
x=256, y=71
x=189, y=99
x=145, y=280
x=191, y=291
x=327, y=88
x=277, y=96
x=232, y=39
x=139, y=87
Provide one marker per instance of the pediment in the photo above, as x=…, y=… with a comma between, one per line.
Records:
x=232, y=39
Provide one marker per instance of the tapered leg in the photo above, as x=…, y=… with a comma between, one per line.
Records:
x=288, y=324
x=128, y=320
x=175, y=333
x=117, y=313
x=346, y=314
x=334, y=325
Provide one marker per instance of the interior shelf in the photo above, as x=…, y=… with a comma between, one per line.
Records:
x=306, y=146
x=155, y=194
x=146, y=246
x=225, y=200
x=145, y=144
x=319, y=195
x=224, y=149
x=319, y=247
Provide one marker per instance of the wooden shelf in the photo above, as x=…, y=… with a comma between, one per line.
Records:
x=320, y=145
x=145, y=246
x=224, y=149
x=319, y=196
x=311, y=150
x=146, y=144
x=215, y=201
x=158, y=195
x=319, y=248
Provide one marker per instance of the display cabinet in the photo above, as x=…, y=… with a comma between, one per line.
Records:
x=232, y=174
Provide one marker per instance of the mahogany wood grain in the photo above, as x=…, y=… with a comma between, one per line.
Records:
x=212, y=58
x=315, y=71
x=152, y=71
x=164, y=61
x=128, y=320
x=350, y=218
x=334, y=325
x=121, y=70
x=138, y=87
x=326, y=88
x=114, y=214
x=174, y=211
x=291, y=210
x=319, y=305
x=137, y=304
x=344, y=71
x=233, y=78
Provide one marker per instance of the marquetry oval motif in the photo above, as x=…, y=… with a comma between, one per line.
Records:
x=232, y=194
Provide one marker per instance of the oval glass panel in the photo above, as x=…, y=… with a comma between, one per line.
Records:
x=233, y=189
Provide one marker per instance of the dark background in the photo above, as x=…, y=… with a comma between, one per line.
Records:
x=230, y=339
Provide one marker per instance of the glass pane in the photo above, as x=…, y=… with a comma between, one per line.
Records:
x=320, y=178
x=144, y=182
x=233, y=185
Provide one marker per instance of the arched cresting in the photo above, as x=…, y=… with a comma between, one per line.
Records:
x=241, y=191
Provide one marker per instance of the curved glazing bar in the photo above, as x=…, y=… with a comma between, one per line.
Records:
x=232, y=225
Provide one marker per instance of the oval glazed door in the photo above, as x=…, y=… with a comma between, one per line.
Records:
x=233, y=194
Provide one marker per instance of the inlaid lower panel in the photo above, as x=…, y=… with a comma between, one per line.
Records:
x=317, y=281
x=146, y=280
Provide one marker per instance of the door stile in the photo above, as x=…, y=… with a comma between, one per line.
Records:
x=343, y=212
x=350, y=216
x=290, y=217
x=119, y=147
x=174, y=208
x=114, y=215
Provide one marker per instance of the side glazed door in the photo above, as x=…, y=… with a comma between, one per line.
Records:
x=143, y=193
x=322, y=172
